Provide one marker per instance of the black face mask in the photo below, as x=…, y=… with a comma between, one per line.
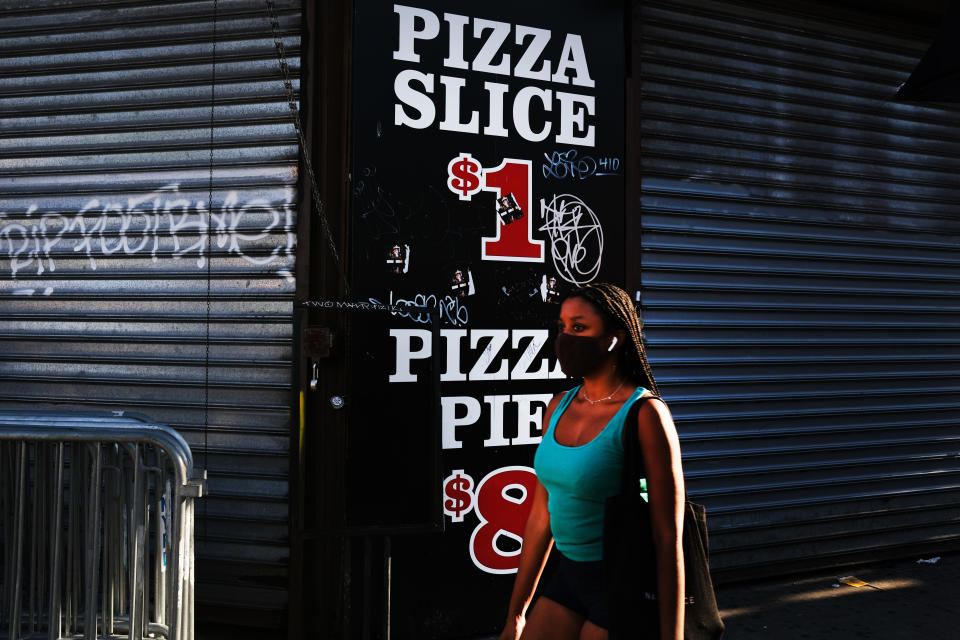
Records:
x=580, y=356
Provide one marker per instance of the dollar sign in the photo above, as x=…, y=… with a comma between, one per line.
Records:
x=459, y=497
x=464, y=176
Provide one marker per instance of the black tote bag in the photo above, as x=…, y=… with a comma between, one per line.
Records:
x=630, y=563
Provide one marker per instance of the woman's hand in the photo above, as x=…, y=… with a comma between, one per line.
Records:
x=537, y=543
x=514, y=628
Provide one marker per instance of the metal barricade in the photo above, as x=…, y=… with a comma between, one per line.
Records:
x=96, y=527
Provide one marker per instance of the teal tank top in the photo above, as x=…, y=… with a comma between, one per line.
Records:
x=580, y=479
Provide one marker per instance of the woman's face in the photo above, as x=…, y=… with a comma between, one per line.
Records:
x=579, y=317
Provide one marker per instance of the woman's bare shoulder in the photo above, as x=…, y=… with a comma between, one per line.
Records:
x=654, y=414
x=552, y=405
x=555, y=400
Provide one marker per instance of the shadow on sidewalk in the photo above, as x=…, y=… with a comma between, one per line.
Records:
x=901, y=600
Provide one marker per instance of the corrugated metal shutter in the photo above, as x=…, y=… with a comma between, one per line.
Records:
x=105, y=169
x=801, y=280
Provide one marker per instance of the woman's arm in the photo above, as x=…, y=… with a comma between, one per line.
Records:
x=537, y=542
x=661, y=456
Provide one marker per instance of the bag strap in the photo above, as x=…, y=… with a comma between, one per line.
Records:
x=633, y=467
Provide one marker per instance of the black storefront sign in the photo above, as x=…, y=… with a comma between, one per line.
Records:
x=487, y=182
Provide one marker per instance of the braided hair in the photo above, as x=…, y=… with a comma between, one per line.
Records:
x=619, y=312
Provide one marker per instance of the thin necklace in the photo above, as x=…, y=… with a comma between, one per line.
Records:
x=592, y=402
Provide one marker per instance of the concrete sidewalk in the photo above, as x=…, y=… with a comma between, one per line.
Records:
x=902, y=600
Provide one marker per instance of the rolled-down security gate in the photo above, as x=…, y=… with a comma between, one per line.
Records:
x=800, y=280
x=147, y=228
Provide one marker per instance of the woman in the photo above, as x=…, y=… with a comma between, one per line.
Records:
x=579, y=464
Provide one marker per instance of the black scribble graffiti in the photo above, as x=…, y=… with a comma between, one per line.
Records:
x=375, y=206
x=518, y=297
x=576, y=238
x=385, y=209
x=454, y=225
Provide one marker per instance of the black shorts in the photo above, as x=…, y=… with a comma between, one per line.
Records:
x=578, y=586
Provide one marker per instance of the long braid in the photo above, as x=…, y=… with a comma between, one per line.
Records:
x=616, y=306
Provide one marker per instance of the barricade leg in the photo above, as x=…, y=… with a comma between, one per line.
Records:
x=16, y=557
x=92, y=547
x=53, y=617
x=137, y=538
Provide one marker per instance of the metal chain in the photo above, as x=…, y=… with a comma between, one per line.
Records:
x=304, y=147
x=209, y=255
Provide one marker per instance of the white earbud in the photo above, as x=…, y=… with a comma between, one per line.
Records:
x=612, y=344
